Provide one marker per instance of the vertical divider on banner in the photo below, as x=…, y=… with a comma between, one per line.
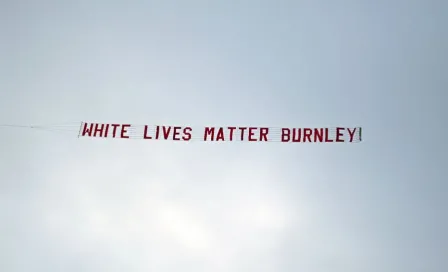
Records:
x=360, y=134
x=80, y=127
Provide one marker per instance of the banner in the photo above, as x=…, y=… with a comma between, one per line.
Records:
x=222, y=133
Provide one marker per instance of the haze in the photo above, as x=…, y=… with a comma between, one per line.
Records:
x=69, y=204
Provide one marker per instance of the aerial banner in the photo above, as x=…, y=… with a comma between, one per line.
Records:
x=221, y=133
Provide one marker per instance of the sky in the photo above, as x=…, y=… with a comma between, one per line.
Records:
x=69, y=204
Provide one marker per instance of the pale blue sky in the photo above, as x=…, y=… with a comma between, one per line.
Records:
x=69, y=204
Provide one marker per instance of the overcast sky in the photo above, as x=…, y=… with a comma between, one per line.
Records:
x=69, y=204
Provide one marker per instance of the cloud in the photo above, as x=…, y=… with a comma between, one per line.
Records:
x=139, y=214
